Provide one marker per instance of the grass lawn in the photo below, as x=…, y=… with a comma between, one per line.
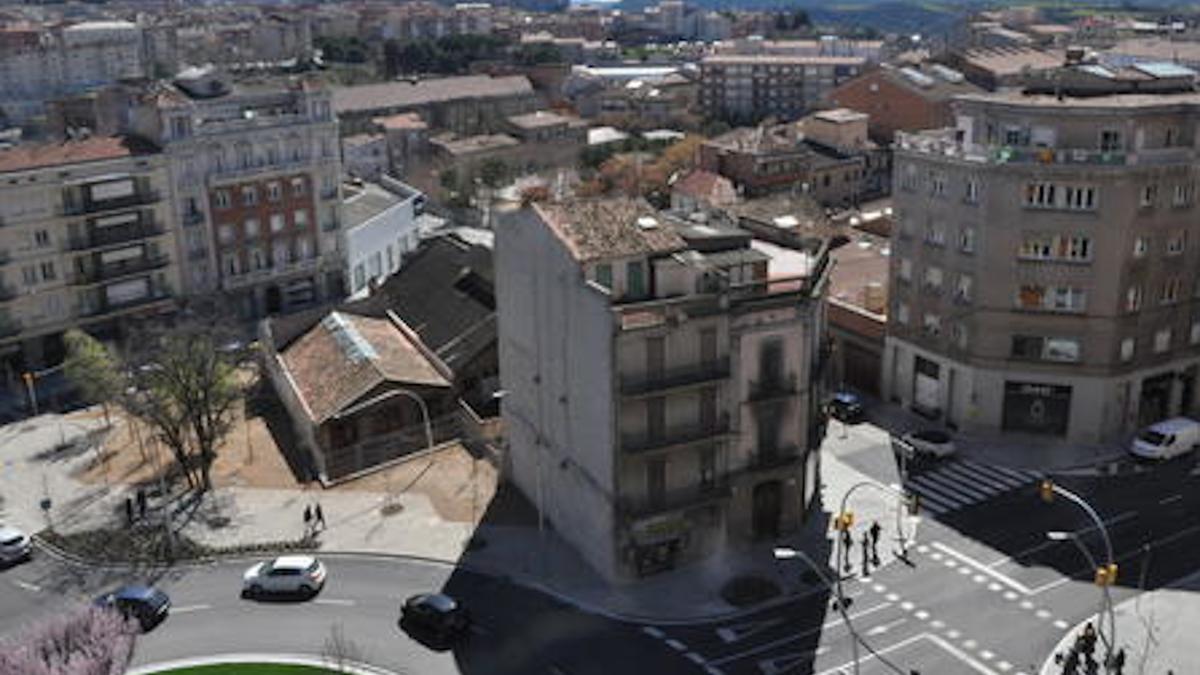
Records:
x=248, y=669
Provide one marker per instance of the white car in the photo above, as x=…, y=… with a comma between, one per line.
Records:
x=15, y=545
x=930, y=443
x=302, y=574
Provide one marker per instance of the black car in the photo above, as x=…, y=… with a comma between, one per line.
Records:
x=846, y=407
x=145, y=604
x=437, y=613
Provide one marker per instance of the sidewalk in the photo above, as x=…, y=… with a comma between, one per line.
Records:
x=1010, y=449
x=507, y=543
x=1155, y=628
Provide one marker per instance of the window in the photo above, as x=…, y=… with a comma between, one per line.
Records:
x=937, y=183
x=1170, y=290
x=1040, y=195
x=962, y=292
x=231, y=265
x=902, y=313
x=277, y=222
x=1162, y=340
x=935, y=235
x=222, y=199
x=635, y=279
x=1070, y=248
x=908, y=177
x=708, y=468
x=274, y=194
x=905, y=269
x=1149, y=196
x=249, y=196
x=299, y=187
x=1177, y=242
x=376, y=264
x=48, y=273
x=932, y=324
x=1110, y=140
x=360, y=277
x=258, y=259
x=1184, y=194
x=1140, y=246
x=1133, y=298
x=301, y=218
x=958, y=334
x=1080, y=198
x=972, y=191
x=1037, y=348
x=1051, y=298
x=1078, y=248
x=41, y=238
x=391, y=259
x=933, y=279
x=225, y=234
x=306, y=248
x=252, y=227
x=29, y=275
x=1194, y=337
x=966, y=240
x=1127, y=349
x=656, y=480
x=604, y=275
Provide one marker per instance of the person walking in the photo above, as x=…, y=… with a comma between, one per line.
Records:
x=308, y=521
x=1118, y=662
x=320, y=515
x=866, y=554
x=128, y=512
x=847, y=543
x=1088, y=643
x=141, y=503
x=875, y=532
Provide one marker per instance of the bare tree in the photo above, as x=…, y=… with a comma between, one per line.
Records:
x=340, y=651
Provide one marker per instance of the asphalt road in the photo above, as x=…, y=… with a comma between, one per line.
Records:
x=987, y=593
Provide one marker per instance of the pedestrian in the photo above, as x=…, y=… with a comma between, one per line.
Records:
x=1071, y=664
x=128, y=512
x=141, y=503
x=307, y=520
x=875, y=531
x=847, y=543
x=866, y=554
x=1088, y=640
x=320, y=516
x=1118, y=662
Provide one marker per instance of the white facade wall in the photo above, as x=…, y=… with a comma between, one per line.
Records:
x=374, y=249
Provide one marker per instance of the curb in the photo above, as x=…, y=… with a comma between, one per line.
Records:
x=352, y=667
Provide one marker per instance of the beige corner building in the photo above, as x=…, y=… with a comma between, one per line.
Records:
x=87, y=239
x=1043, y=272
x=662, y=380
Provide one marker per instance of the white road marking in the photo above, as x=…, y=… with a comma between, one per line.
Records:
x=34, y=588
x=1004, y=665
x=968, y=560
x=1119, y=518
x=964, y=571
x=189, y=608
x=954, y=651
x=340, y=602
x=676, y=645
x=713, y=670
x=1025, y=604
x=921, y=614
x=695, y=658
x=653, y=632
x=986, y=655
x=1061, y=625
x=892, y=597
x=979, y=578
x=791, y=638
x=741, y=631
x=953, y=634
x=879, y=588
x=885, y=627
x=1168, y=500
x=1042, y=614
x=922, y=549
x=937, y=624
x=787, y=662
x=950, y=562
x=970, y=644
x=1009, y=595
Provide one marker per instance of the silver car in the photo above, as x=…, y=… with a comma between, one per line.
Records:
x=302, y=574
x=15, y=545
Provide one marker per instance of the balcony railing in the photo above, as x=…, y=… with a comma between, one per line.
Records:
x=676, y=437
x=258, y=276
x=674, y=500
x=770, y=389
x=116, y=234
x=683, y=376
x=105, y=272
x=139, y=198
x=105, y=306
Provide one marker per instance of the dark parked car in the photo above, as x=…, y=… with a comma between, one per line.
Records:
x=145, y=604
x=437, y=613
x=846, y=407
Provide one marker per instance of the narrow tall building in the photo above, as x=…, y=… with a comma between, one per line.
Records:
x=1044, y=268
x=662, y=380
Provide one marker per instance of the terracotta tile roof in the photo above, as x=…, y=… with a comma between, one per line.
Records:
x=35, y=156
x=598, y=229
x=708, y=186
x=344, y=356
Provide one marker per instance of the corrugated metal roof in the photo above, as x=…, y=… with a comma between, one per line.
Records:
x=1164, y=69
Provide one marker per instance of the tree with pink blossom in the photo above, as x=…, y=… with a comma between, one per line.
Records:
x=81, y=641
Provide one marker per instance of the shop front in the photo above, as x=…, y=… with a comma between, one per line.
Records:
x=1036, y=407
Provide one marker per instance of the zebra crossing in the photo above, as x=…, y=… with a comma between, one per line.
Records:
x=960, y=484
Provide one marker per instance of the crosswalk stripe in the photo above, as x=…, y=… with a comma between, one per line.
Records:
x=1001, y=483
x=956, y=484
x=932, y=505
x=956, y=500
x=1020, y=475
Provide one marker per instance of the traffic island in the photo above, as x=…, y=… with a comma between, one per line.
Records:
x=261, y=664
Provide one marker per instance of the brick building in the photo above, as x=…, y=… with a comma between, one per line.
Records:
x=903, y=99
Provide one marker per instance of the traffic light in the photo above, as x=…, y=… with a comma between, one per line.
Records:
x=1046, y=490
x=914, y=504
x=1106, y=575
x=28, y=377
x=844, y=521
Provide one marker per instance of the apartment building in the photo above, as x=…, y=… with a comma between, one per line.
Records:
x=39, y=63
x=255, y=175
x=662, y=380
x=746, y=88
x=380, y=226
x=87, y=239
x=1043, y=274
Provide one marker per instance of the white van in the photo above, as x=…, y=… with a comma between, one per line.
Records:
x=1167, y=439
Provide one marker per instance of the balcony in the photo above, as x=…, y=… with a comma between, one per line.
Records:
x=674, y=378
x=193, y=218
x=779, y=458
x=104, y=306
x=676, y=437
x=116, y=234
x=772, y=389
x=253, y=277
x=674, y=500
x=139, y=198
x=107, y=272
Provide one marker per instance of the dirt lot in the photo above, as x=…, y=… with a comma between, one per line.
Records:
x=255, y=454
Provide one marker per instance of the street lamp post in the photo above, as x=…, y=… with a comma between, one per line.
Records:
x=1049, y=489
x=392, y=393
x=787, y=553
